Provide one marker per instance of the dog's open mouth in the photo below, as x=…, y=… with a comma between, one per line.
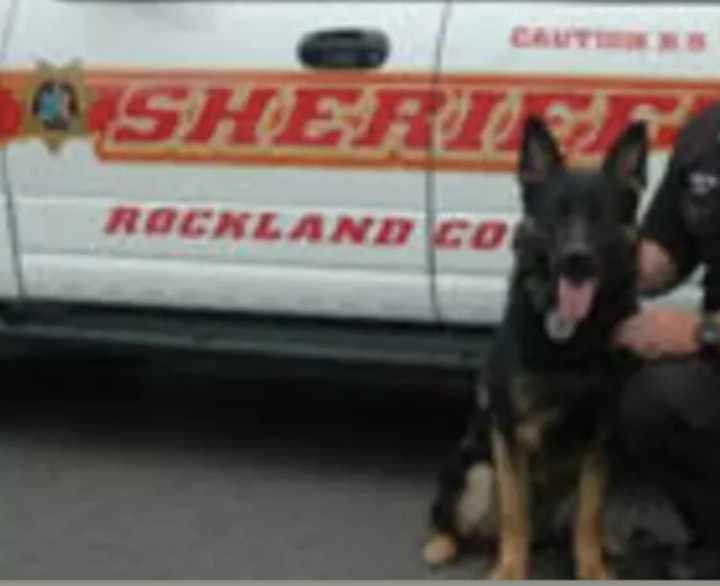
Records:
x=575, y=299
x=574, y=303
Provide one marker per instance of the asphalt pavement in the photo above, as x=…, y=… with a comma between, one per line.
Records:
x=121, y=469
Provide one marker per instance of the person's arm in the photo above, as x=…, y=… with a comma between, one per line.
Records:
x=667, y=253
x=657, y=271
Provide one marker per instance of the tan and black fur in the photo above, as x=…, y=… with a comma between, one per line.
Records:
x=551, y=400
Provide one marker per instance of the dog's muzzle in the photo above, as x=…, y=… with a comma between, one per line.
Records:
x=577, y=264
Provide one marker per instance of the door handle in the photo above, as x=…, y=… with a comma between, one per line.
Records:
x=344, y=49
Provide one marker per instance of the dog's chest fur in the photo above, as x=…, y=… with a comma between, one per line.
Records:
x=555, y=416
x=552, y=411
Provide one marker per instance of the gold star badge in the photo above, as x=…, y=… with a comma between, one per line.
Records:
x=55, y=104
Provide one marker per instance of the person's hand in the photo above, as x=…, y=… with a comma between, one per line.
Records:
x=660, y=333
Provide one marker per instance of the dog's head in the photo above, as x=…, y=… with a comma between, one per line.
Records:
x=576, y=240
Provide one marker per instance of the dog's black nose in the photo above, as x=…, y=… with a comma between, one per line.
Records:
x=578, y=264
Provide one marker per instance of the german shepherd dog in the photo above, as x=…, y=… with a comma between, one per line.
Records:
x=552, y=379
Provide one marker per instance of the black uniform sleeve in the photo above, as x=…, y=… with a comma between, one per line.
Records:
x=664, y=223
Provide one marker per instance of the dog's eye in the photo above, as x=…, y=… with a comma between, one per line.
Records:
x=543, y=232
x=535, y=234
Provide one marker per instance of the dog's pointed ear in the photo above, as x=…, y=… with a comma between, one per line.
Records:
x=540, y=155
x=626, y=162
x=627, y=159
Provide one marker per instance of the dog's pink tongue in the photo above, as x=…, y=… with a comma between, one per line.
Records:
x=574, y=300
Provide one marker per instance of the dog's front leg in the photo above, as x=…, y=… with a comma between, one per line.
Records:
x=589, y=528
x=513, y=488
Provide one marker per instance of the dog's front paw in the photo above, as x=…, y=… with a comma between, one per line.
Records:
x=513, y=570
x=441, y=549
x=593, y=570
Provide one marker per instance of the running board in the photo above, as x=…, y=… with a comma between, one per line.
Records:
x=348, y=341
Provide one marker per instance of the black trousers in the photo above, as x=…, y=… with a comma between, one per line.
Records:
x=670, y=429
